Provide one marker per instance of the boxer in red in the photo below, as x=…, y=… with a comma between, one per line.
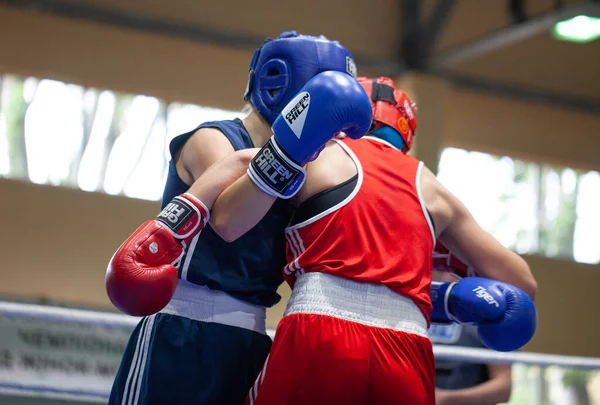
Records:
x=359, y=250
x=359, y=261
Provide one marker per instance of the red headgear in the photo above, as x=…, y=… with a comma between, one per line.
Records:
x=392, y=107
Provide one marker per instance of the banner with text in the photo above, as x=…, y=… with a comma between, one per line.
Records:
x=46, y=357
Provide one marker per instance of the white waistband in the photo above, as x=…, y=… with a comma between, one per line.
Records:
x=200, y=303
x=368, y=304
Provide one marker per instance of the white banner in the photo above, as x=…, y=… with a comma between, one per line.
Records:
x=43, y=357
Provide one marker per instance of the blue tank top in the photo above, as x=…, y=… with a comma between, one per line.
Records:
x=249, y=268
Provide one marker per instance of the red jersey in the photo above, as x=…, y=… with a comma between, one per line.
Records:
x=380, y=234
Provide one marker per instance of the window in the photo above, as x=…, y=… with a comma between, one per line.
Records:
x=531, y=208
x=535, y=385
x=98, y=140
x=67, y=135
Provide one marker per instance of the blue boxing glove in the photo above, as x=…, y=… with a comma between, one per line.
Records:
x=329, y=103
x=506, y=317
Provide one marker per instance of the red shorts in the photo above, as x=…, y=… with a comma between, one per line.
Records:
x=318, y=359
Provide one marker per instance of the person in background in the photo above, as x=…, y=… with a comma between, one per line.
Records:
x=466, y=383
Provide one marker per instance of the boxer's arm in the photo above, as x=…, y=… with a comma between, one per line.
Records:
x=494, y=391
x=462, y=235
x=477, y=248
x=220, y=176
x=204, y=148
x=239, y=208
x=278, y=170
x=244, y=204
x=241, y=204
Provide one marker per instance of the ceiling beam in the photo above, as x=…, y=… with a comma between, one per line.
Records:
x=510, y=35
x=522, y=93
x=134, y=21
x=516, y=11
x=374, y=66
x=140, y=22
x=410, y=30
x=431, y=32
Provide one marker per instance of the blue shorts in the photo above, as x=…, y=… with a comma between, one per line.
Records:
x=175, y=360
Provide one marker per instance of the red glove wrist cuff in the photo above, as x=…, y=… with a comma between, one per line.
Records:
x=185, y=216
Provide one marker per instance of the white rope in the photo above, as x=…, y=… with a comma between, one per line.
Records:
x=486, y=356
x=68, y=315
x=447, y=353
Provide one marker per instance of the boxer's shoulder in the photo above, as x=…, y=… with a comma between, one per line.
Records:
x=197, y=150
x=332, y=168
x=230, y=133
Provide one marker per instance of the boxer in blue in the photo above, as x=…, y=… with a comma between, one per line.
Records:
x=208, y=344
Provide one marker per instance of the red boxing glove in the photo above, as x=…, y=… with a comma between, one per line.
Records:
x=141, y=277
x=444, y=260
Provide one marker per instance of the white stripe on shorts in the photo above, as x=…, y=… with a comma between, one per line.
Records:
x=145, y=349
x=134, y=361
x=133, y=385
x=264, y=370
x=259, y=380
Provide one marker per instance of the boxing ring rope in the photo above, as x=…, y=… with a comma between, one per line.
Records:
x=110, y=323
x=487, y=356
x=451, y=353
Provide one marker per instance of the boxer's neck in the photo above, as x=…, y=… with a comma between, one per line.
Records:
x=258, y=129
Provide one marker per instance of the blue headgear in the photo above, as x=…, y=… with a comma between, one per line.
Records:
x=282, y=66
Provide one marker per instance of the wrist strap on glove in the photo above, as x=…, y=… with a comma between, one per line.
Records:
x=185, y=216
x=440, y=294
x=275, y=173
